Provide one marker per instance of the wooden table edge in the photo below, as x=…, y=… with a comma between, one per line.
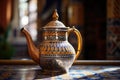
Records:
x=77, y=62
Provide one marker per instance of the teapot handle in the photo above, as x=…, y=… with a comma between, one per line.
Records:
x=79, y=40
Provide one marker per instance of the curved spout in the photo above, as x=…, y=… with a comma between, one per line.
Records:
x=33, y=51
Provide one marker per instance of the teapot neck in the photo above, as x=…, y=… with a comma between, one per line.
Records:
x=55, y=35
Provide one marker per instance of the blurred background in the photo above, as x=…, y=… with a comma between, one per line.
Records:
x=97, y=20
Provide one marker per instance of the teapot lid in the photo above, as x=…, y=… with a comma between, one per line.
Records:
x=55, y=23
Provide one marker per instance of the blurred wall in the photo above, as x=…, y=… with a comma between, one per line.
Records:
x=5, y=12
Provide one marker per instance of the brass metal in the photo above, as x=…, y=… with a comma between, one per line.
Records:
x=79, y=40
x=33, y=51
x=54, y=53
x=55, y=15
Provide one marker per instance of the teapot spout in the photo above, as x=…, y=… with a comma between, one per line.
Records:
x=32, y=50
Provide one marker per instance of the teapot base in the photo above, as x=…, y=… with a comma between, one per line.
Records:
x=55, y=69
x=56, y=63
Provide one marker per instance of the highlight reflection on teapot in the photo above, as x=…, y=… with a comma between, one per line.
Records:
x=54, y=53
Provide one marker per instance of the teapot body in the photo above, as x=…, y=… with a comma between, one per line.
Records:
x=56, y=53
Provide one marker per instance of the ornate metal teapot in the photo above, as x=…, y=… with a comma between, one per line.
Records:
x=54, y=53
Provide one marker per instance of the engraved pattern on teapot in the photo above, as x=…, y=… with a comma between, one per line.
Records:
x=54, y=53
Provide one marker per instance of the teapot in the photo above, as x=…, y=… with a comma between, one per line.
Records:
x=54, y=53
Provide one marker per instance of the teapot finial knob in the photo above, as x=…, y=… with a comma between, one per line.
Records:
x=55, y=15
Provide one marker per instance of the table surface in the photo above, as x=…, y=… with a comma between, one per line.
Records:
x=22, y=70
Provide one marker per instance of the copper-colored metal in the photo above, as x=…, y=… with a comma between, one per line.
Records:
x=33, y=51
x=54, y=53
x=55, y=15
x=79, y=40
